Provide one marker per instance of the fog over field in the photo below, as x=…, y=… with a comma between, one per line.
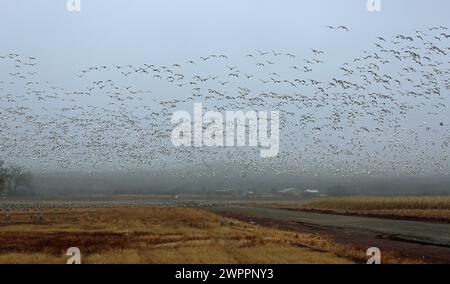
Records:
x=70, y=184
x=87, y=98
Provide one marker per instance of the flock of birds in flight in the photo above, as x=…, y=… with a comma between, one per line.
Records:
x=384, y=111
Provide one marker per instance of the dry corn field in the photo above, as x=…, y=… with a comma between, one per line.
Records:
x=154, y=234
x=424, y=207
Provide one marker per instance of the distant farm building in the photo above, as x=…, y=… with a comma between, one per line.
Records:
x=311, y=192
x=292, y=191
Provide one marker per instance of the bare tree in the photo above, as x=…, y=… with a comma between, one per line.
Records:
x=2, y=176
x=12, y=177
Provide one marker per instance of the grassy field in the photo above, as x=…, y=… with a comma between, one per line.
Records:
x=424, y=207
x=157, y=235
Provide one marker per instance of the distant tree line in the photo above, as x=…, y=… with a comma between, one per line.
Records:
x=13, y=177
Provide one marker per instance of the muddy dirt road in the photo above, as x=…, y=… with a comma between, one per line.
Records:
x=427, y=241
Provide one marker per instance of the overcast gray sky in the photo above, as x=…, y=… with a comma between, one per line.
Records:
x=171, y=30
x=119, y=32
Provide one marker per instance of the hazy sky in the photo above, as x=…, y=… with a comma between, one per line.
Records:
x=120, y=32
x=165, y=31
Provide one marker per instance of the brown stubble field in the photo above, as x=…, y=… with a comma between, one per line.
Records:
x=154, y=234
x=421, y=208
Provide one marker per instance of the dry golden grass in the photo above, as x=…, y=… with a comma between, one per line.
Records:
x=158, y=235
x=428, y=207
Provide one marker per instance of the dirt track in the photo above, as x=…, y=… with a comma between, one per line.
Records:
x=429, y=242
